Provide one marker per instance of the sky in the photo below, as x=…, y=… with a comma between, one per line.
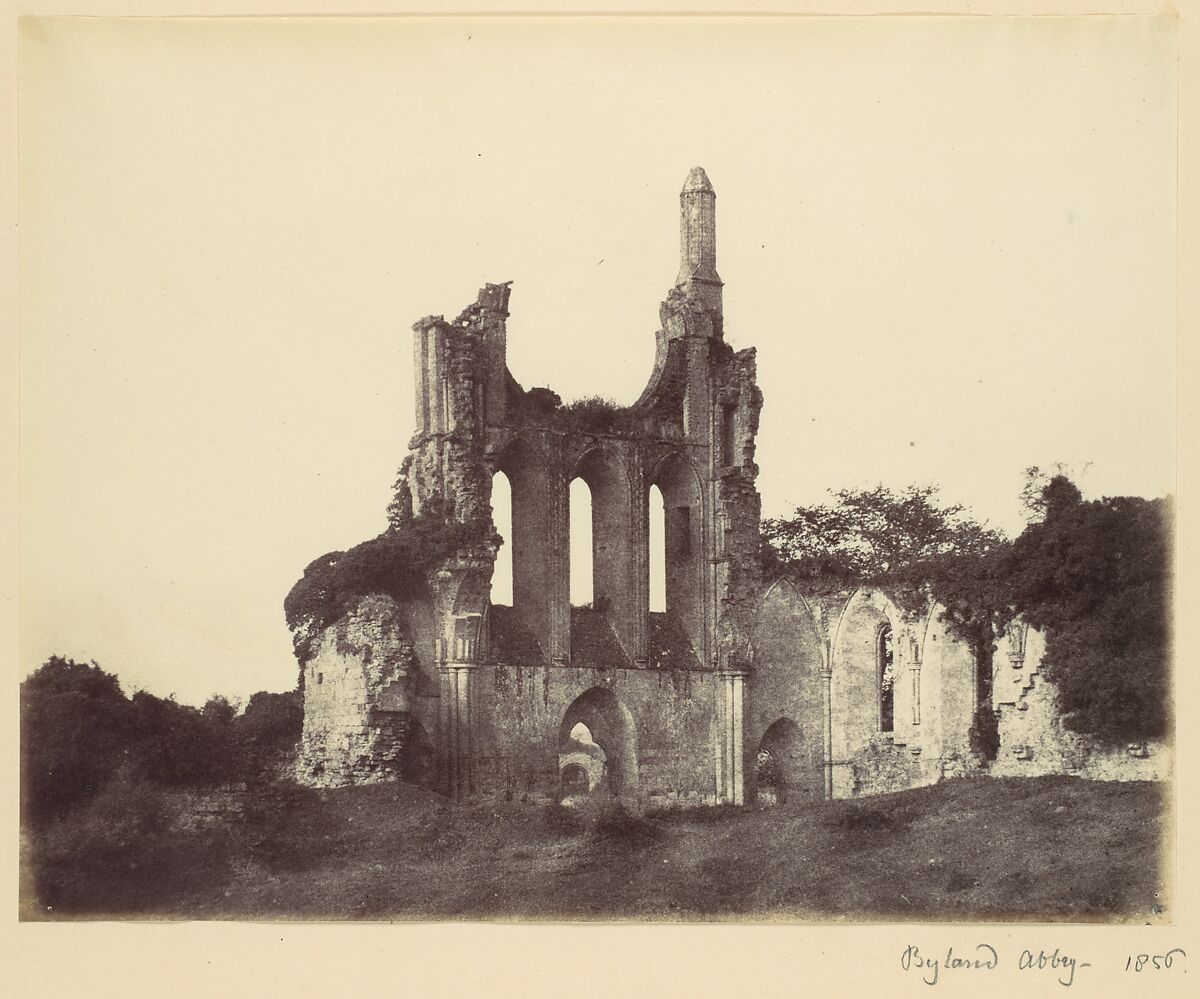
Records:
x=951, y=242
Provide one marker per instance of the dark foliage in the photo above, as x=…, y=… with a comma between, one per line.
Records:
x=1095, y=576
x=119, y=853
x=267, y=732
x=76, y=730
x=593, y=414
x=613, y=825
x=984, y=734
x=394, y=563
x=177, y=745
x=286, y=827
x=905, y=540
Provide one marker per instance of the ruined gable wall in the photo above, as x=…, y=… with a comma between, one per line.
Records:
x=357, y=697
x=933, y=687
x=1033, y=739
x=786, y=684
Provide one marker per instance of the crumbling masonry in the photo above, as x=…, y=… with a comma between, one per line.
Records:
x=743, y=688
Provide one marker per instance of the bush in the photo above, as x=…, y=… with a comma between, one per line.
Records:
x=266, y=734
x=177, y=745
x=984, y=733
x=1096, y=576
x=286, y=827
x=77, y=728
x=395, y=563
x=117, y=854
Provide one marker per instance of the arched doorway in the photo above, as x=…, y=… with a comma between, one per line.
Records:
x=598, y=719
x=582, y=764
x=417, y=760
x=778, y=765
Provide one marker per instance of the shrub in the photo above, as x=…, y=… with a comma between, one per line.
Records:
x=984, y=734
x=395, y=563
x=1095, y=576
x=117, y=854
x=286, y=827
x=177, y=745
x=76, y=730
x=265, y=735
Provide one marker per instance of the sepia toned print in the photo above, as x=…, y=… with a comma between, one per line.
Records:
x=583, y=673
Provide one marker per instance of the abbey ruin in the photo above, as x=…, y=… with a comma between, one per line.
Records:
x=743, y=688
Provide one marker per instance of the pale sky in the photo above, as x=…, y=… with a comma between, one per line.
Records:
x=952, y=243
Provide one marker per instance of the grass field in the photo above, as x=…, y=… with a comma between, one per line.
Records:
x=1051, y=848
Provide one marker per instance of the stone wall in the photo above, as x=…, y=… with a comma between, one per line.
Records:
x=357, y=698
x=519, y=740
x=786, y=685
x=1033, y=739
x=680, y=702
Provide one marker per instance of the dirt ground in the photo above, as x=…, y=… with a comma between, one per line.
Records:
x=1037, y=849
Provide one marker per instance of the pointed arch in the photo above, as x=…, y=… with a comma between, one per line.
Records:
x=612, y=730
x=855, y=685
x=613, y=589
x=787, y=684
x=683, y=543
x=582, y=581
x=780, y=765
x=657, y=560
x=502, y=569
x=524, y=465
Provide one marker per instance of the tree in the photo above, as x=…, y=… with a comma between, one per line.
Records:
x=908, y=540
x=218, y=710
x=918, y=548
x=1095, y=576
x=76, y=730
x=267, y=732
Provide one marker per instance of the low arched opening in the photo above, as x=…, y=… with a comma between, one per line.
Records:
x=597, y=734
x=778, y=764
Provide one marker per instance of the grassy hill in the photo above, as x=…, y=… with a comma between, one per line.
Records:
x=1052, y=848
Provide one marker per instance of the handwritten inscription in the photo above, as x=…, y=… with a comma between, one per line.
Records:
x=1154, y=962
x=1056, y=960
x=1064, y=967
x=984, y=957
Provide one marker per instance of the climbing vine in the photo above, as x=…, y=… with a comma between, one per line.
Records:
x=395, y=563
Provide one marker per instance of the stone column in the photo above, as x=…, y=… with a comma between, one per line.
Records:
x=559, y=541
x=827, y=718
x=456, y=706
x=640, y=544
x=914, y=670
x=731, y=779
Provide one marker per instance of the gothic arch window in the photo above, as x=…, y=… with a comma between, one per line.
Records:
x=658, y=551
x=885, y=665
x=502, y=571
x=682, y=545
x=581, y=586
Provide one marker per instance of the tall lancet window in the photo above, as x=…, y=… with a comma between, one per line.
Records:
x=658, y=551
x=886, y=666
x=581, y=587
x=502, y=571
